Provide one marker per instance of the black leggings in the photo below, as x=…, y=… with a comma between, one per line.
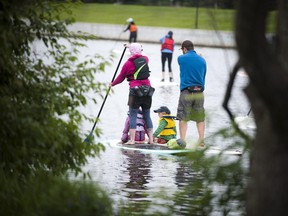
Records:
x=133, y=37
x=167, y=56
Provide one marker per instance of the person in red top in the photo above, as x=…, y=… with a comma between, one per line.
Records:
x=133, y=30
x=167, y=48
x=137, y=73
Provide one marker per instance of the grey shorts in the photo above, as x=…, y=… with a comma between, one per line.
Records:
x=191, y=106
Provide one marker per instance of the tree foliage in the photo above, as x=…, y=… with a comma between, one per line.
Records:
x=39, y=98
x=265, y=61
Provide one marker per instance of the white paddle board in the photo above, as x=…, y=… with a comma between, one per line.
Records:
x=163, y=149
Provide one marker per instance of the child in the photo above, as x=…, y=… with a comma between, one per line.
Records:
x=166, y=127
x=141, y=129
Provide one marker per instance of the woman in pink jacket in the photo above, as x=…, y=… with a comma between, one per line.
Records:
x=137, y=73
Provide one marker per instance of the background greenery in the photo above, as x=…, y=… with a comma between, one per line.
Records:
x=40, y=92
x=176, y=17
x=209, y=18
x=227, y=4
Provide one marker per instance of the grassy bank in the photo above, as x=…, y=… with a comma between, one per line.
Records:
x=176, y=17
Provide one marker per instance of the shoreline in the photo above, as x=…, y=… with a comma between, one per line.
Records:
x=146, y=34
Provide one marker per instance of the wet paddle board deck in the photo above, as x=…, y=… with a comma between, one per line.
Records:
x=163, y=149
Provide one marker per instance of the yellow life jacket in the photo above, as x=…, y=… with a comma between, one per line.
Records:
x=168, y=130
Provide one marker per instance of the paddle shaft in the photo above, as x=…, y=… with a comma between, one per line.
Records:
x=108, y=90
x=249, y=112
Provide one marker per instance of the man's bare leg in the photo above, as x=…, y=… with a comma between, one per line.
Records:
x=183, y=129
x=201, y=129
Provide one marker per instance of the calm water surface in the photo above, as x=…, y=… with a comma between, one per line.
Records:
x=136, y=177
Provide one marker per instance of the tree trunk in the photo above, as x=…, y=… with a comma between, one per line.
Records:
x=266, y=63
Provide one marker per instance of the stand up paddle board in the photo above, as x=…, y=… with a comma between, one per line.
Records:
x=163, y=149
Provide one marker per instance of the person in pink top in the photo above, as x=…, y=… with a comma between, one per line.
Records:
x=136, y=71
x=141, y=129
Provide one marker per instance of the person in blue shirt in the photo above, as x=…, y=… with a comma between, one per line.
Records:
x=167, y=48
x=192, y=84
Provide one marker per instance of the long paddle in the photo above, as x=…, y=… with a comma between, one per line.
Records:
x=249, y=112
x=90, y=136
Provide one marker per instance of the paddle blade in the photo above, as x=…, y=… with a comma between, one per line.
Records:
x=89, y=139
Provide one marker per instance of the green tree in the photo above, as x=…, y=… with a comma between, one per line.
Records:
x=265, y=61
x=39, y=130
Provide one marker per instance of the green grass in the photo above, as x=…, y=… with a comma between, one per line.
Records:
x=176, y=17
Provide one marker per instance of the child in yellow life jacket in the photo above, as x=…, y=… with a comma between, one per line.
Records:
x=166, y=129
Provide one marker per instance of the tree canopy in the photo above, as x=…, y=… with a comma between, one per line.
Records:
x=39, y=97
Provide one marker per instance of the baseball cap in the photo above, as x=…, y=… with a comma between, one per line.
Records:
x=162, y=109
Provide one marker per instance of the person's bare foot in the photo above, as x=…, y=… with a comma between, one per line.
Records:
x=130, y=143
x=201, y=144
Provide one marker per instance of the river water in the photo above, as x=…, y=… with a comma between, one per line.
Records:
x=136, y=177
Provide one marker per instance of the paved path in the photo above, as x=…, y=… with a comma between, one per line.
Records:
x=153, y=34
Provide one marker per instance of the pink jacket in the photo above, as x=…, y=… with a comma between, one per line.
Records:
x=141, y=129
x=127, y=70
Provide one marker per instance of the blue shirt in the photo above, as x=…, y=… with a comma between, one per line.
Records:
x=192, y=70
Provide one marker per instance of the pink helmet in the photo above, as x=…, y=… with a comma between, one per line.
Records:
x=135, y=48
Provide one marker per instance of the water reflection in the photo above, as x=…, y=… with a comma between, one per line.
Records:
x=138, y=168
x=184, y=173
x=190, y=189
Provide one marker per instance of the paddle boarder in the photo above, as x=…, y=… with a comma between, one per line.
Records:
x=192, y=84
x=167, y=48
x=136, y=71
x=133, y=30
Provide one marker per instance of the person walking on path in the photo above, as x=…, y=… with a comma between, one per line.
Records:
x=192, y=84
x=133, y=30
x=167, y=49
x=137, y=73
x=166, y=129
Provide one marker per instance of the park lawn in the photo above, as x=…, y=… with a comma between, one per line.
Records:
x=176, y=17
